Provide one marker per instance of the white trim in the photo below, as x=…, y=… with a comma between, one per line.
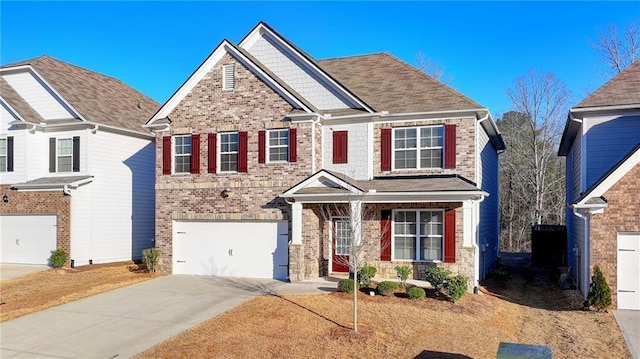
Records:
x=417, y=249
x=174, y=155
x=225, y=47
x=291, y=193
x=58, y=139
x=611, y=179
x=260, y=29
x=389, y=197
x=418, y=148
x=635, y=106
x=268, y=146
x=219, y=152
x=83, y=125
x=226, y=68
x=12, y=111
x=56, y=94
x=49, y=186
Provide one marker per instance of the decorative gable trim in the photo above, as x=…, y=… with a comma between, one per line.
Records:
x=322, y=178
x=225, y=47
x=305, y=60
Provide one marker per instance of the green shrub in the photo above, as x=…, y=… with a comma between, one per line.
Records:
x=150, y=257
x=416, y=293
x=403, y=273
x=437, y=276
x=58, y=258
x=346, y=285
x=366, y=274
x=599, y=292
x=387, y=287
x=456, y=287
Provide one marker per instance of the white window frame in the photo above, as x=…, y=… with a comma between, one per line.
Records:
x=232, y=68
x=417, y=149
x=221, y=153
x=58, y=155
x=4, y=155
x=418, y=236
x=176, y=155
x=285, y=146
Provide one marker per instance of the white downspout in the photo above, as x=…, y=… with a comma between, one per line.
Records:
x=584, y=281
x=476, y=247
x=66, y=190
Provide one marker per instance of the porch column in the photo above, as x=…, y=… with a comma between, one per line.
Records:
x=296, y=223
x=468, y=228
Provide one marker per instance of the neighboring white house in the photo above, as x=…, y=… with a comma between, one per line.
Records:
x=76, y=166
x=601, y=142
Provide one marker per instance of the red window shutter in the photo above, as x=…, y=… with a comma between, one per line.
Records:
x=450, y=146
x=195, y=153
x=242, y=152
x=385, y=150
x=450, y=236
x=293, y=145
x=261, y=146
x=166, y=155
x=212, y=143
x=385, y=236
x=340, y=149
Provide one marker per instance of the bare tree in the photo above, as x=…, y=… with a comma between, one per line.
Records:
x=358, y=252
x=618, y=50
x=432, y=68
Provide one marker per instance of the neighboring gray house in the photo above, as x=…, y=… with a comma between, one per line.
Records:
x=76, y=165
x=262, y=135
x=601, y=142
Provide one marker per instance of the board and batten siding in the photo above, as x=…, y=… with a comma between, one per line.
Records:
x=608, y=140
x=121, y=200
x=294, y=73
x=359, y=162
x=488, y=181
x=575, y=225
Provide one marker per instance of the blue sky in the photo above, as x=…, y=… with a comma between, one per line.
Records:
x=483, y=46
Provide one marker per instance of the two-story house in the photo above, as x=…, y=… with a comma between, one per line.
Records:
x=601, y=143
x=76, y=165
x=262, y=138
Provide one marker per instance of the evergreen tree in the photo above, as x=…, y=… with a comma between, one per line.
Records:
x=599, y=292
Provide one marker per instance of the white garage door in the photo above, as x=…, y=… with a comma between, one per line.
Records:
x=231, y=249
x=629, y=271
x=27, y=239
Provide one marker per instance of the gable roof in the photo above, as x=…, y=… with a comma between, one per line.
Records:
x=11, y=97
x=623, y=89
x=96, y=97
x=389, y=84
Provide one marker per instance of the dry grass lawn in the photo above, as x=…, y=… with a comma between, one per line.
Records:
x=528, y=309
x=42, y=290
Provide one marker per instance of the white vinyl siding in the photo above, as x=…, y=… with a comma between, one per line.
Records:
x=278, y=145
x=229, y=152
x=228, y=77
x=40, y=98
x=418, y=235
x=418, y=147
x=182, y=154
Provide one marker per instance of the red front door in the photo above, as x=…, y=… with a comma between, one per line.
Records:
x=341, y=233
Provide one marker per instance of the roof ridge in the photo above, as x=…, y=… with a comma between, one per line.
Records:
x=354, y=56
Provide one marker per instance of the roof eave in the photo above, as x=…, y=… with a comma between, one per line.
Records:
x=389, y=197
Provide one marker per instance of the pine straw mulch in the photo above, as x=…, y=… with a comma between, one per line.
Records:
x=42, y=290
x=525, y=307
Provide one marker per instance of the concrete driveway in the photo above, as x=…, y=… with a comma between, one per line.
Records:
x=629, y=323
x=10, y=271
x=127, y=321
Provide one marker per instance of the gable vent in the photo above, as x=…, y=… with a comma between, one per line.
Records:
x=228, y=77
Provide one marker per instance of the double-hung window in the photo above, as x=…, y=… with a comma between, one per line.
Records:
x=418, y=147
x=418, y=235
x=229, y=152
x=3, y=155
x=278, y=147
x=65, y=155
x=182, y=153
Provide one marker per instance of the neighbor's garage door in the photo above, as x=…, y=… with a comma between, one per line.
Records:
x=231, y=249
x=629, y=271
x=27, y=239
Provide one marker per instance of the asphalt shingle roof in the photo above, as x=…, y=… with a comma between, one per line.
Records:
x=98, y=98
x=624, y=89
x=389, y=84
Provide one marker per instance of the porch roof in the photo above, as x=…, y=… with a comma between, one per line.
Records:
x=58, y=182
x=329, y=186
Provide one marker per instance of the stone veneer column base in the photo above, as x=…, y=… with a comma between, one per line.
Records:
x=296, y=262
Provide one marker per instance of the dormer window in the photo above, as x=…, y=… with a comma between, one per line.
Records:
x=228, y=77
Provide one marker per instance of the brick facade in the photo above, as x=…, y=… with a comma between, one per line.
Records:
x=621, y=215
x=42, y=202
x=251, y=107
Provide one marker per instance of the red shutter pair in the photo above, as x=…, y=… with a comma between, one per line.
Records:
x=293, y=146
x=449, y=148
x=195, y=154
x=212, y=153
x=449, y=236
